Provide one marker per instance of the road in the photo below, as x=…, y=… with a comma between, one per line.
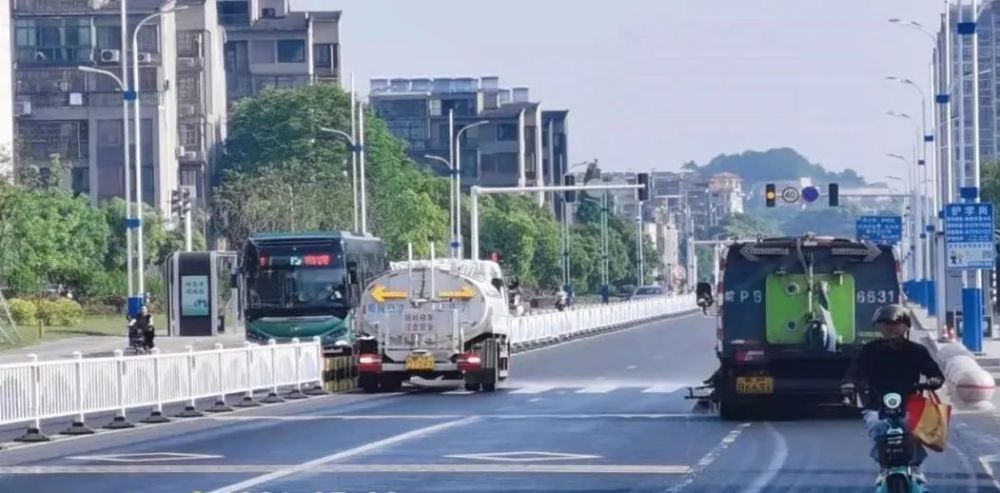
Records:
x=598, y=415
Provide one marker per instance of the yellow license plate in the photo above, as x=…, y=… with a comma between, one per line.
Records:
x=420, y=363
x=755, y=385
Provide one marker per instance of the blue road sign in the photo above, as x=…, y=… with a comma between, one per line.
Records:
x=880, y=229
x=968, y=236
x=810, y=194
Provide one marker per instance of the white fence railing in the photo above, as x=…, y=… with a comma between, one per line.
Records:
x=545, y=328
x=36, y=390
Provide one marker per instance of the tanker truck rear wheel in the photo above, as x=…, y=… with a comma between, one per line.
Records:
x=472, y=386
x=368, y=382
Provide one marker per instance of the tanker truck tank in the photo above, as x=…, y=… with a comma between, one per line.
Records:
x=445, y=319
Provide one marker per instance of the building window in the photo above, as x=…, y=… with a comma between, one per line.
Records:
x=291, y=51
x=187, y=89
x=507, y=163
x=149, y=39
x=53, y=40
x=269, y=13
x=263, y=51
x=234, y=13
x=189, y=136
x=323, y=55
x=507, y=131
x=81, y=180
x=109, y=37
x=109, y=133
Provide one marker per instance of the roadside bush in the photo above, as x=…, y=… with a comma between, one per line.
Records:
x=24, y=311
x=62, y=312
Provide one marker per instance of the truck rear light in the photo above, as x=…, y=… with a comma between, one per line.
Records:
x=469, y=362
x=369, y=363
x=749, y=356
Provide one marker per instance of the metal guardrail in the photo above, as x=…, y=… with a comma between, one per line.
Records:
x=37, y=390
x=530, y=330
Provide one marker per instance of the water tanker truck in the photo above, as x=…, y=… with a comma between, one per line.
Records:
x=442, y=319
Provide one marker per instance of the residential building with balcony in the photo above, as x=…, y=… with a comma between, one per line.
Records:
x=725, y=194
x=513, y=148
x=270, y=45
x=60, y=110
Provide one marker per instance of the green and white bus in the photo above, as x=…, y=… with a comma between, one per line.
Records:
x=307, y=284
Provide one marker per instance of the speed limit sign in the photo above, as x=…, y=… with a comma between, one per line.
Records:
x=790, y=194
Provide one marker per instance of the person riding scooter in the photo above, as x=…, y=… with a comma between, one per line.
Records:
x=562, y=299
x=892, y=364
x=141, y=330
x=704, y=296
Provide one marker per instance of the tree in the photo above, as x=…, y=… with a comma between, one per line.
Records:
x=989, y=183
x=283, y=173
x=747, y=226
x=776, y=165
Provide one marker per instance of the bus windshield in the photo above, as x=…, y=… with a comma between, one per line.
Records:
x=300, y=287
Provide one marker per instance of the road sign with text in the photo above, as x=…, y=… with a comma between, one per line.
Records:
x=880, y=229
x=968, y=232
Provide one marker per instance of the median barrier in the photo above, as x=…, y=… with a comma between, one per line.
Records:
x=969, y=384
x=35, y=390
x=340, y=373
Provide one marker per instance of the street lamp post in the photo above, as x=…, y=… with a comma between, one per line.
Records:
x=458, y=183
x=915, y=265
x=565, y=229
x=354, y=153
x=451, y=196
x=128, y=172
x=918, y=219
x=137, y=107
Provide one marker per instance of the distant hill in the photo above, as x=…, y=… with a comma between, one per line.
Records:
x=775, y=165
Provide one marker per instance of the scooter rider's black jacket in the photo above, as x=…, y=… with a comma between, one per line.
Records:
x=891, y=366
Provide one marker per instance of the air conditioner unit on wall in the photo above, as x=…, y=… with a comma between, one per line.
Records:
x=189, y=63
x=145, y=57
x=22, y=108
x=110, y=56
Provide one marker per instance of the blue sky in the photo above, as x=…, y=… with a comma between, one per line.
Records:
x=651, y=84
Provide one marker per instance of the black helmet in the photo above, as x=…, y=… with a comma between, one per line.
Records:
x=892, y=313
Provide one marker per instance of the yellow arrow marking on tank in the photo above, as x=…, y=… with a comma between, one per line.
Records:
x=466, y=292
x=380, y=294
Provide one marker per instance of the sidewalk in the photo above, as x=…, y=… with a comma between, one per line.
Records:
x=97, y=346
x=989, y=360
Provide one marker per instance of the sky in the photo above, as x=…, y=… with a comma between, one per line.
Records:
x=651, y=84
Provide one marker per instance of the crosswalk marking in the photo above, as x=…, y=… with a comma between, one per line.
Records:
x=666, y=388
x=532, y=389
x=597, y=389
x=458, y=392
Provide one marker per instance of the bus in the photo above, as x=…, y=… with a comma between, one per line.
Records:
x=307, y=284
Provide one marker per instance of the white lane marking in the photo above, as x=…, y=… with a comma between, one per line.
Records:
x=322, y=461
x=507, y=468
x=347, y=417
x=145, y=457
x=665, y=388
x=668, y=318
x=532, y=389
x=631, y=367
x=774, y=466
x=536, y=399
x=523, y=456
x=458, y=392
x=597, y=389
x=987, y=461
x=709, y=458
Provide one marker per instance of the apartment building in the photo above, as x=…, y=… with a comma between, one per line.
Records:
x=193, y=62
x=6, y=95
x=270, y=45
x=60, y=110
x=520, y=144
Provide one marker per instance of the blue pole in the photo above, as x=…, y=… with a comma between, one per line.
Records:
x=931, y=299
x=972, y=319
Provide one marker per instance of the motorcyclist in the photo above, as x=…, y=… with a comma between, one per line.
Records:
x=144, y=324
x=704, y=295
x=891, y=364
x=562, y=299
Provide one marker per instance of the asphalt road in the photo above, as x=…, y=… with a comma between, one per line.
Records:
x=604, y=414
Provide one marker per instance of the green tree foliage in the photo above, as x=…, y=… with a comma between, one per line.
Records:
x=989, y=182
x=747, y=226
x=282, y=172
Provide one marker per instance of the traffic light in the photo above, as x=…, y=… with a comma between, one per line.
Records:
x=643, y=179
x=176, y=202
x=180, y=201
x=770, y=195
x=833, y=192
x=569, y=196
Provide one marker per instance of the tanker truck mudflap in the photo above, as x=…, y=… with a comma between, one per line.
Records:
x=442, y=321
x=794, y=312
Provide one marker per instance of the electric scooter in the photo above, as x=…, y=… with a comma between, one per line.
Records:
x=897, y=447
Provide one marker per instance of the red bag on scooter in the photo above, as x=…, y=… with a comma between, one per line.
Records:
x=928, y=420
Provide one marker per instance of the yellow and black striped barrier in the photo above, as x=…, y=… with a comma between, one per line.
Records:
x=340, y=374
